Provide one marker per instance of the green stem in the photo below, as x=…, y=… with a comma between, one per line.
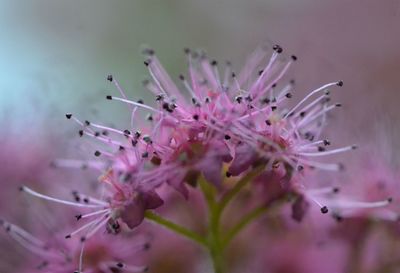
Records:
x=242, y=224
x=213, y=236
x=191, y=235
x=238, y=186
x=249, y=218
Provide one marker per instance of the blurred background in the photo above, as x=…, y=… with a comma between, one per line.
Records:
x=55, y=56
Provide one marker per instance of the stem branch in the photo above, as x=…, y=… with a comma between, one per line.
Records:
x=191, y=235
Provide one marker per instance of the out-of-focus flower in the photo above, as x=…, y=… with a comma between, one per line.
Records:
x=62, y=255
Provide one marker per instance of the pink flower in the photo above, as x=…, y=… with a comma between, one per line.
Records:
x=56, y=254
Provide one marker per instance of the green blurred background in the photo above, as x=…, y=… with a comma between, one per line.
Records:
x=55, y=54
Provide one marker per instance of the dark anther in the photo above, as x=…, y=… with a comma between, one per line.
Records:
x=145, y=155
x=146, y=246
x=78, y=217
x=266, y=100
x=80, y=133
x=390, y=199
x=109, y=97
x=239, y=99
x=248, y=98
x=324, y=210
x=327, y=142
x=336, y=190
x=260, y=72
x=148, y=51
x=227, y=137
x=273, y=86
x=294, y=58
x=159, y=97
x=86, y=200
x=97, y=153
x=321, y=149
x=68, y=116
x=196, y=117
x=87, y=123
x=110, y=78
x=339, y=83
x=68, y=236
x=214, y=62
x=127, y=132
x=140, y=101
x=146, y=63
x=300, y=168
x=96, y=134
x=120, y=265
x=181, y=77
x=277, y=48
x=167, y=107
x=288, y=95
x=186, y=50
x=134, y=142
x=337, y=217
x=228, y=174
x=147, y=139
x=233, y=75
x=268, y=122
x=273, y=108
x=302, y=114
x=121, y=148
x=83, y=239
x=150, y=117
x=145, y=82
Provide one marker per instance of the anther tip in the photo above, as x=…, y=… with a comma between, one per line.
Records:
x=68, y=116
x=146, y=246
x=21, y=188
x=97, y=153
x=354, y=147
x=294, y=57
x=390, y=200
x=109, y=97
x=148, y=51
x=277, y=48
x=110, y=78
x=324, y=210
x=339, y=83
x=338, y=105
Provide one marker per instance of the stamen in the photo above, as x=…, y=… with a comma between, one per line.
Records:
x=45, y=197
x=335, y=151
x=322, y=88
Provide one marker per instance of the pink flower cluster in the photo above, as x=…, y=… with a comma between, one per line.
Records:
x=214, y=124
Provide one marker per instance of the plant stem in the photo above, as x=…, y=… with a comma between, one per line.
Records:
x=242, y=224
x=238, y=186
x=191, y=235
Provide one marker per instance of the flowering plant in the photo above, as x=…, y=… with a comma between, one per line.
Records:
x=217, y=133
